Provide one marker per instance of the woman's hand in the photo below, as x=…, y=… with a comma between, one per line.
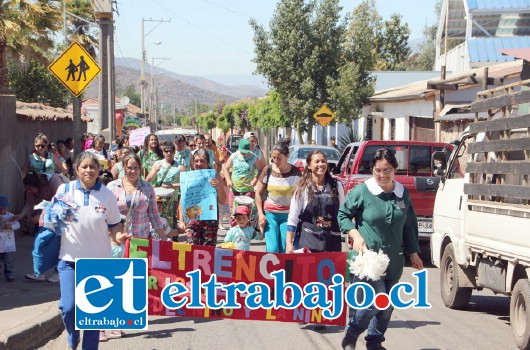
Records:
x=182, y=226
x=289, y=247
x=214, y=182
x=228, y=182
x=262, y=221
x=358, y=240
x=253, y=182
x=416, y=261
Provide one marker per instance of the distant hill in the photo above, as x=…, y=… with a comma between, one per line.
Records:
x=238, y=91
x=178, y=90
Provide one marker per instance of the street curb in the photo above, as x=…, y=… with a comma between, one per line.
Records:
x=36, y=333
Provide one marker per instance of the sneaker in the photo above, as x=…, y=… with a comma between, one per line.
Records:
x=102, y=336
x=319, y=327
x=33, y=277
x=115, y=334
x=348, y=343
x=375, y=347
x=53, y=278
x=10, y=278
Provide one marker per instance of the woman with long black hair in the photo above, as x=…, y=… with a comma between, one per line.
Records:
x=150, y=153
x=314, y=208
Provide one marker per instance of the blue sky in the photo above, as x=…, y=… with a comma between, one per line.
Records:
x=213, y=38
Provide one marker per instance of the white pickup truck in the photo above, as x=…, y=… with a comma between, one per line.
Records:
x=481, y=217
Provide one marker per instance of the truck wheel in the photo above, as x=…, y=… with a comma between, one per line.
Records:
x=454, y=297
x=520, y=313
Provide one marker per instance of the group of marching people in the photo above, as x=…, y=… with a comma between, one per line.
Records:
x=294, y=209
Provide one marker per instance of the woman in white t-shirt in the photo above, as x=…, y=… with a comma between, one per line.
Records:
x=85, y=237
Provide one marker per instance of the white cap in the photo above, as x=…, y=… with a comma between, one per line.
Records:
x=248, y=135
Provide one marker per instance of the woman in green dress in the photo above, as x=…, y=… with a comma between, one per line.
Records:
x=384, y=218
x=165, y=173
x=150, y=153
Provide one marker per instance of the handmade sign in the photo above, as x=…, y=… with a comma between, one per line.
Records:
x=199, y=198
x=191, y=269
x=137, y=137
x=7, y=241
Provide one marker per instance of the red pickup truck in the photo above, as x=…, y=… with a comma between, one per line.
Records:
x=414, y=172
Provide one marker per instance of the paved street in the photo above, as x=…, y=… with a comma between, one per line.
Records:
x=484, y=325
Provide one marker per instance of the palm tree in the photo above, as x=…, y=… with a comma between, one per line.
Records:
x=79, y=30
x=26, y=29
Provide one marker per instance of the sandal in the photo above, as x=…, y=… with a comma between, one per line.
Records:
x=102, y=336
x=115, y=334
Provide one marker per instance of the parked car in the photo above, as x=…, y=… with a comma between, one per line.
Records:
x=232, y=142
x=414, y=172
x=298, y=155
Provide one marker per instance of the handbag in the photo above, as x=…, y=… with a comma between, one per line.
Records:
x=47, y=243
x=312, y=237
x=265, y=193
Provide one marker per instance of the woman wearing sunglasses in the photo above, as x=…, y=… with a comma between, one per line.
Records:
x=42, y=160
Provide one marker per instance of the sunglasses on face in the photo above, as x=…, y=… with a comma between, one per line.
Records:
x=41, y=146
x=167, y=150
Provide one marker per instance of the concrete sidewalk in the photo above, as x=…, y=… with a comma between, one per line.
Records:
x=29, y=311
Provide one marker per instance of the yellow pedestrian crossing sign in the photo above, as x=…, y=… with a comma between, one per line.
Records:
x=324, y=115
x=75, y=68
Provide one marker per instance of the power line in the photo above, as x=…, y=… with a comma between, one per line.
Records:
x=200, y=29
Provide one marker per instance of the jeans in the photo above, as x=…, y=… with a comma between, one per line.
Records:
x=275, y=232
x=371, y=318
x=7, y=259
x=67, y=306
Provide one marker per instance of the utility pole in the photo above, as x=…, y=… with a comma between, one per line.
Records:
x=144, y=57
x=152, y=106
x=103, y=14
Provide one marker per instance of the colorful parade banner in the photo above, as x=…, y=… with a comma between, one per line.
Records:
x=199, y=198
x=172, y=264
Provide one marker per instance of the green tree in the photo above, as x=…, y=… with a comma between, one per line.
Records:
x=301, y=56
x=393, y=44
x=207, y=121
x=132, y=94
x=266, y=113
x=226, y=119
x=34, y=83
x=81, y=26
x=26, y=30
x=355, y=83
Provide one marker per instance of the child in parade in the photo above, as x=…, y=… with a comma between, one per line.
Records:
x=9, y=224
x=242, y=233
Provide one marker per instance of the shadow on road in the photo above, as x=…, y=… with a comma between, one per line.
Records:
x=412, y=324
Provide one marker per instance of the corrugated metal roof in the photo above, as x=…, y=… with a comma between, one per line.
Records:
x=489, y=49
x=419, y=91
x=491, y=18
x=459, y=117
x=390, y=79
x=497, y=4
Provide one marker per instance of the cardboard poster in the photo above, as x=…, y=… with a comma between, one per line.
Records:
x=199, y=198
x=137, y=136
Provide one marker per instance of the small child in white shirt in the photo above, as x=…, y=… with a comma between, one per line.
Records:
x=242, y=233
x=8, y=225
